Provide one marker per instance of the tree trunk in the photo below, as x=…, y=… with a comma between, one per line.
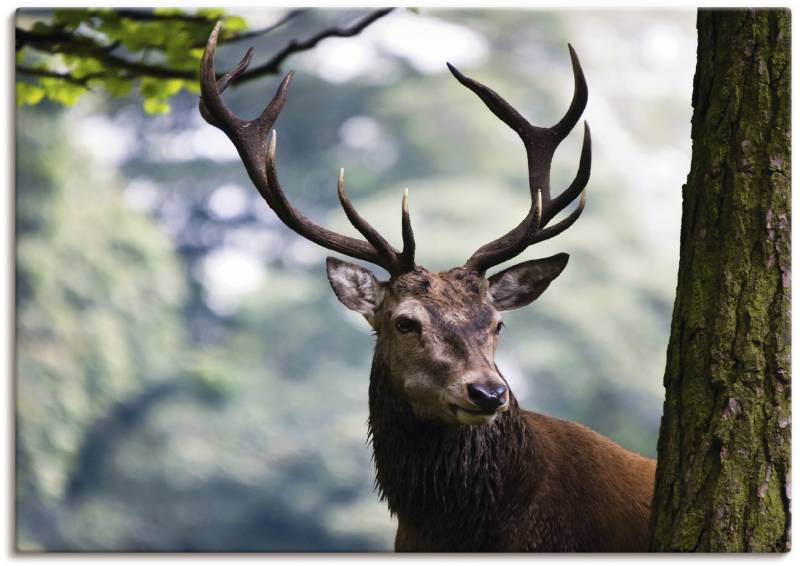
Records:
x=723, y=481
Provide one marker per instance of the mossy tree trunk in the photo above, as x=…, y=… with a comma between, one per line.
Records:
x=723, y=481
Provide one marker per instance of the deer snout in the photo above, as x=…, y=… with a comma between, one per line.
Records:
x=487, y=395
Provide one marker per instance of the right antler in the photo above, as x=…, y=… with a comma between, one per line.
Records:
x=540, y=145
x=250, y=139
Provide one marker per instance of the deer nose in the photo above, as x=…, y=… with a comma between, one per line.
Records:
x=487, y=396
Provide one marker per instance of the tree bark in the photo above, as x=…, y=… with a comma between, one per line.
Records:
x=723, y=481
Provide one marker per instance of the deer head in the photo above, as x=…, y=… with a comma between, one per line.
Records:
x=436, y=332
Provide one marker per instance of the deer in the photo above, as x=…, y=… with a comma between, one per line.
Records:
x=459, y=463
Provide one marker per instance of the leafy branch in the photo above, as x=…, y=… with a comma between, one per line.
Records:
x=79, y=50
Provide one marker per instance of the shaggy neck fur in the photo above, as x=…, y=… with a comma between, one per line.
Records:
x=456, y=483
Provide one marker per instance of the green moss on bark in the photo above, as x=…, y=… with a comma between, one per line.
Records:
x=723, y=481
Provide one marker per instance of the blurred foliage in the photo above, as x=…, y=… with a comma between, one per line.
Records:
x=92, y=332
x=155, y=412
x=84, y=313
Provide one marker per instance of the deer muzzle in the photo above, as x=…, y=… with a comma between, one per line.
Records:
x=485, y=395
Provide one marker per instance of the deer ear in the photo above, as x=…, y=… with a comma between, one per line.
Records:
x=355, y=287
x=521, y=284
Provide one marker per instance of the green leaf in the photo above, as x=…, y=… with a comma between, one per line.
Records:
x=82, y=66
x=156, y=106
x=168, y=11
x=41, y=27
x=117, y=86
x=234, y=24
x=160, y=88
x=112, y=26
x=149, y=87
x=71, y=17
x=176, y=48
x=29, y=94
x=172, y=86
x=133, y=35
x=211, y=13
x=59, y=90
x=192, y=86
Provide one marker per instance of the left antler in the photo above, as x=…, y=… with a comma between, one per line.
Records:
x=250, y=139
x=540, y=145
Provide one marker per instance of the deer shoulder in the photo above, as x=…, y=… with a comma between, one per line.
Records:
x=600, y=490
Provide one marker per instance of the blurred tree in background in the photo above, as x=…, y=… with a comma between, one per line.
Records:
x=186, y=379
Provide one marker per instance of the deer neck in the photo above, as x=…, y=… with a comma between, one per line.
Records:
x=436, y=476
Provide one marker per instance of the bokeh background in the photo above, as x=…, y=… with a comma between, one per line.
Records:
x=186, y=379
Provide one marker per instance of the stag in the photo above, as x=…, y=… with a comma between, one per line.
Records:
x=457, y=460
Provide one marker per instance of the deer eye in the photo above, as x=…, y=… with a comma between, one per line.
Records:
x=405, y=325
x=498, y=328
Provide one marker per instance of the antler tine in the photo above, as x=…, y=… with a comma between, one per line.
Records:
x=240, y=68
x=217, y=114
x=372, y=235
x=555, y=229
x=577, y=185
x=212, y=109
x=540, y=145
x=376, y=250
x=409, y=245
x=579, y=98
x=494, y=102
x=250, y=139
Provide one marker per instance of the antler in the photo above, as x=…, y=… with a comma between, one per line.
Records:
x=250, y=139
x=540, y=145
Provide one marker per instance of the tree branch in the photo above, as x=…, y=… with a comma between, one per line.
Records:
x=60, y=42
x=148, y=15
x=273, y=65
x=256, y=33
x=75, y=45
x=24, y=37
x=82, y=81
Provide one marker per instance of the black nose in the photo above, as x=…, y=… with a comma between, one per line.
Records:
x=487, y=397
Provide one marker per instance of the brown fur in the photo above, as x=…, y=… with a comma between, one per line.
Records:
x=523, y=482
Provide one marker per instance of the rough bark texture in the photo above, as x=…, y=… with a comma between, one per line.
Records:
x=723, y=478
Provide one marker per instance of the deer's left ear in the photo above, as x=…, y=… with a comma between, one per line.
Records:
x=521, y=284
x=355, y=287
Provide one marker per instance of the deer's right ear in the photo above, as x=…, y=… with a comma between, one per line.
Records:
x=356, y=287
